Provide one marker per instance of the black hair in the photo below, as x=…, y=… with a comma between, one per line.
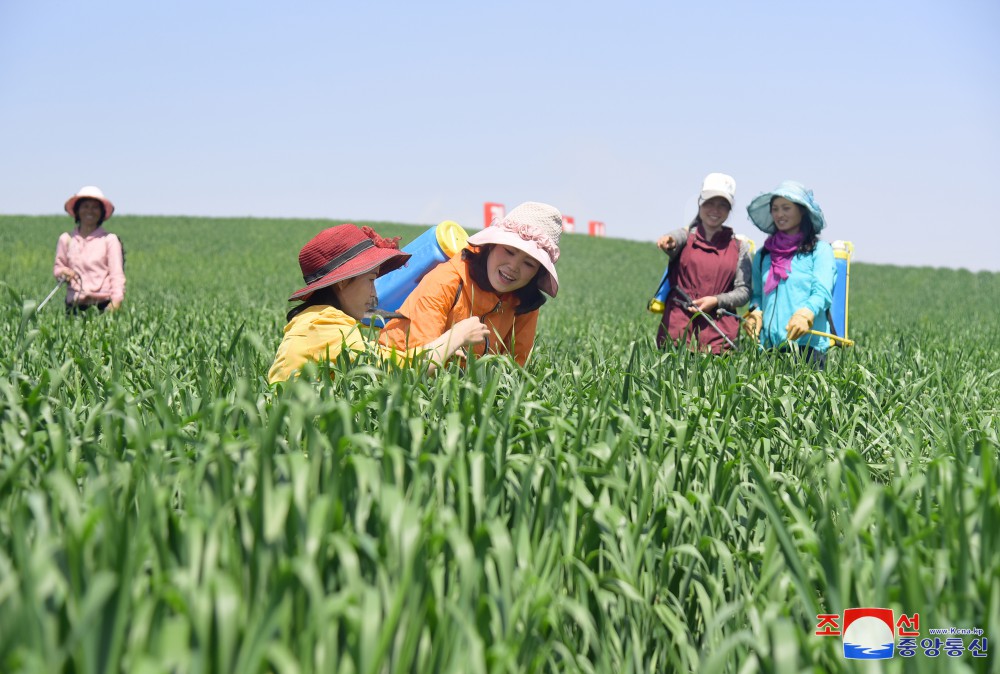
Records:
x=323, y=296
x=76, y=210
x=529, y=298
x=808, y=229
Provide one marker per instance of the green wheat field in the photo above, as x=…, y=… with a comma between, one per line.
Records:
x=610, y=508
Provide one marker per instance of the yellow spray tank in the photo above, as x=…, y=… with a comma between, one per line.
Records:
x=749, y=242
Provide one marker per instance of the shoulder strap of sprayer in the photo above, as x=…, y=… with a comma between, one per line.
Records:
x=121, y=244
x=663, y=281
x=458, y=293
x=673, y=269
x=829, y=313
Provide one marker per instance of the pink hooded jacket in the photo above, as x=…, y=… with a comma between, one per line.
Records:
x=97, y=259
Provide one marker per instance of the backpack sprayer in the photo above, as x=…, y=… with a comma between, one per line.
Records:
x=659, y=301
x=837, y=315
x=436, y=245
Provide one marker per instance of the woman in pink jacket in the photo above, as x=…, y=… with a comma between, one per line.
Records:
x=89, y=258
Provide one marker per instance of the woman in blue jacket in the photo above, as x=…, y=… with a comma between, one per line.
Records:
x=793, y=273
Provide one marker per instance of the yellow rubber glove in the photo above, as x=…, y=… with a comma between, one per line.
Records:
x=752, y=322
x=799, y=324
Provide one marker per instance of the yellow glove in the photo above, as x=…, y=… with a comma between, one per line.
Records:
x=799, y=324
x=752, y=322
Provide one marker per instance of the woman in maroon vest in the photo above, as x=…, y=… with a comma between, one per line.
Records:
x=712, y=267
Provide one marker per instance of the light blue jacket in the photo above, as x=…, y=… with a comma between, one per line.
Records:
x=809, y=286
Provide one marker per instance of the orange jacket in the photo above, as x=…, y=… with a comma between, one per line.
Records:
x=432, y=308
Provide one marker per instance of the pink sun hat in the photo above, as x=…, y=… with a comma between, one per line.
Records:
x=534, y=228
x=90, y=192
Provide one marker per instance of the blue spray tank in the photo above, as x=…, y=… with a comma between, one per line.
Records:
x=436, y=245
x=842, y=252
x=659, y=301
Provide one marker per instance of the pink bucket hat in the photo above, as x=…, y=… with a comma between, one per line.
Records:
x=90, y=192
x=534, y=228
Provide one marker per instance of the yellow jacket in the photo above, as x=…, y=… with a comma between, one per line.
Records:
x=317, y=331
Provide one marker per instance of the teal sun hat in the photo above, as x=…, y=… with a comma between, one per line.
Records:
x=759, y=209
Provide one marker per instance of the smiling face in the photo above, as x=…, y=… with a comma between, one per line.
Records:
x=89, y=213
x=357, y=295
x=510, y=269
x=714, y=212
x=787, y=215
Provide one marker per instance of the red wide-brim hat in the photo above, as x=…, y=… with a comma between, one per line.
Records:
x=343, y=252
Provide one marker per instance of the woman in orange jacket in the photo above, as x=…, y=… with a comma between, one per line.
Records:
x=499, y=278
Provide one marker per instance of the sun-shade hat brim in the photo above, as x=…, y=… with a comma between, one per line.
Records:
x=90, y=192
x=493, y=235
x=534, y=228
x=343, y=252
x=759, y=209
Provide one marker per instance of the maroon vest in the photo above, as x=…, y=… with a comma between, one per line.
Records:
x=702, y=268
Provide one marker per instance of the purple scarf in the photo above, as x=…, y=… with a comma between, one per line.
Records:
x=782, y=248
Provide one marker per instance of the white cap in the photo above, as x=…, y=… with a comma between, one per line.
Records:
x=718, y=185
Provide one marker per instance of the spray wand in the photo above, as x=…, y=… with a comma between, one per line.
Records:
x=49, y=296
x=689, y=304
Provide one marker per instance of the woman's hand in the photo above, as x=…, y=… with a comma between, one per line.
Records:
x=666, y=243
x=470, y=331
x=752, y=322
x=799, y=324
x=69, y=275
x=706, y=305
x=114, y=306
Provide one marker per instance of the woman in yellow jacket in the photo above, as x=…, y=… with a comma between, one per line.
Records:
x=339, y=266
x=498, y=279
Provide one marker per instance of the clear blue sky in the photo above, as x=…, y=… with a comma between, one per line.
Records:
x=421, y=111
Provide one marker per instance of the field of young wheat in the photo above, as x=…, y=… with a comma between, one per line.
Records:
x=610, y=508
